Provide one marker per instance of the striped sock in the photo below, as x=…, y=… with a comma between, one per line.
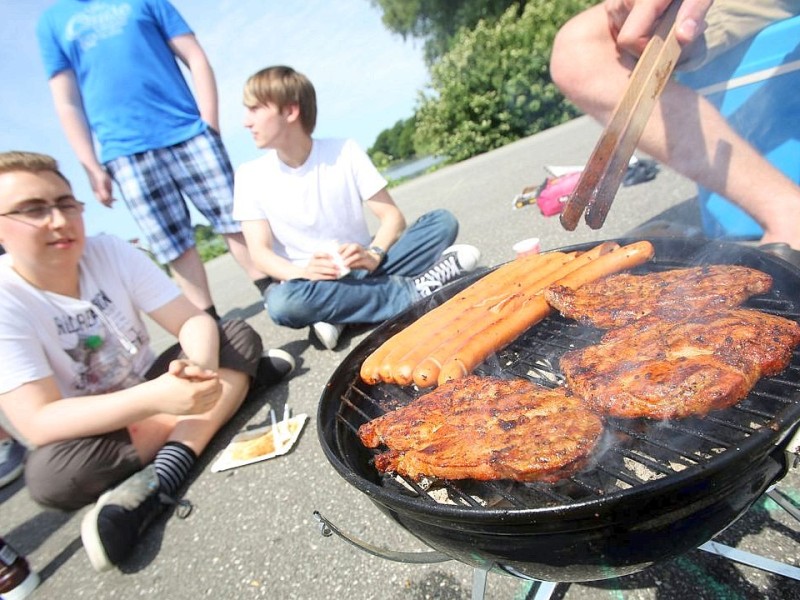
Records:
x=172, y=464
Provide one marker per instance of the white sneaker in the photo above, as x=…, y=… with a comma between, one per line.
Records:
x=456, y=261
x=327, y=333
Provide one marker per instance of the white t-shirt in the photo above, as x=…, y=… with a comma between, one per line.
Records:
x=316, y=203
x=92, y=345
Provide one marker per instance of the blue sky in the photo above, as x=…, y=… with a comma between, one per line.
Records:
x=366, y=77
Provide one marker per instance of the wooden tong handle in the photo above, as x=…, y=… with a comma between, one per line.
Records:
x=603, y=174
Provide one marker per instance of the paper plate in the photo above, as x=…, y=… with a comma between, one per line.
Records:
x=256, y=445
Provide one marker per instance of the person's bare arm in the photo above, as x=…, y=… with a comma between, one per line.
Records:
x=42, y=416
x=392, y=223
x=632, y=22
x=190, y=386
x=188, y=50
x=70, y=111
x=197, y=332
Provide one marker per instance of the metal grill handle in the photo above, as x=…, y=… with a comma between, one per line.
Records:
x=326, y=529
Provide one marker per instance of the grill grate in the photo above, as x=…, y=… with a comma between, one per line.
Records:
x=633, y=453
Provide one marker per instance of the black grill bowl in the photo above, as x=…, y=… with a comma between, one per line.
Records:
x=584, y=528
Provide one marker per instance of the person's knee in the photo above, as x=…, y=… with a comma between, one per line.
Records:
x=240, y=347
x=445, y=221
x=562, y=63
x=569, y=54
x=446, y=218
x=287, y=308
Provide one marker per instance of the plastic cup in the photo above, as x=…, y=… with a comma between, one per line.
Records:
x=527, y=247
x=332, y=249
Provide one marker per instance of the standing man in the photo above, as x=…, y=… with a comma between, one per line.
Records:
x=113, y=73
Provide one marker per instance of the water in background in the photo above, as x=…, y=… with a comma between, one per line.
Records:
x=412, y=168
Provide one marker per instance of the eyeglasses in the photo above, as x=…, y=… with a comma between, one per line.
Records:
x=39, y=214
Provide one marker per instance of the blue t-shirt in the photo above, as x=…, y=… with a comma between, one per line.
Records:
x=133, y=91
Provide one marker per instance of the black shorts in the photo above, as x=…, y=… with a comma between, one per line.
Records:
x=70, y=474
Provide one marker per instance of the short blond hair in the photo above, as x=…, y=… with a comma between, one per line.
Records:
x=29, y=162
x=283, y=86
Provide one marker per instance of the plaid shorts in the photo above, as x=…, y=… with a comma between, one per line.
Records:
x=156, y=183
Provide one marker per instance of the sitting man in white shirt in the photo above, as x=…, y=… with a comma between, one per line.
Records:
x=302, y=210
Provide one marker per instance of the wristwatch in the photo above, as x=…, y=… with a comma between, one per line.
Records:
x=379, y=251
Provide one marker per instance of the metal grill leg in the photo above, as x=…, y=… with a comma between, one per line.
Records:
x=543, y=590
x=479, y=583
x=753, y=560
x=780, y=499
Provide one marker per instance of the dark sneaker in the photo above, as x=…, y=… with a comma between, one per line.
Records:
x=12, y=461
x=112, y=527
x=456, y=261
x=275, y=366
x=327, y=333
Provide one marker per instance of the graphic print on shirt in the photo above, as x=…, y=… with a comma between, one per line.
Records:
x=98, y=22
x=104, y=356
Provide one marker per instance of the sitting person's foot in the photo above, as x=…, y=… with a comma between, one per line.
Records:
x=12, y=460
x=327, y=333
x=274, y=366
x=111, y=529
x=456, y=261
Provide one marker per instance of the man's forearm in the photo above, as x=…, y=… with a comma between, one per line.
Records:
x=389, y=231
x=76, y=129
x=69, y=108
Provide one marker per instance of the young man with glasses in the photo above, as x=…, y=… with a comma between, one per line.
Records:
x=80, y=385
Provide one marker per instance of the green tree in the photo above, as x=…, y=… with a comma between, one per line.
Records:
x=394, y=144
x=209, y=244
x=438, y=21
x=493, y=87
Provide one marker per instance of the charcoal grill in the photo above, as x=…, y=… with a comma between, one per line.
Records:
x=656, y=490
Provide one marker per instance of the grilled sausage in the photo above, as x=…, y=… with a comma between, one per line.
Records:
x=424, y=333
x=598, y=262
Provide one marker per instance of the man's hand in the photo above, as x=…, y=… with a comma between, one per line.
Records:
x=632, y=22
x=187, y=389
x=356, y=256
x=320, y=267
x=102, y=185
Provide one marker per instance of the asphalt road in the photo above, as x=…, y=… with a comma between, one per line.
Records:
x=252, y=533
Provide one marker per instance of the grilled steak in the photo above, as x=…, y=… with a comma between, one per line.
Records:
x=662, y=369
x=486, y=428
x=620, y=299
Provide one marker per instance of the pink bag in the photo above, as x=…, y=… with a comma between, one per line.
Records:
x=550, y=195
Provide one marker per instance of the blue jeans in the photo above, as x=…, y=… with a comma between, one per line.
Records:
x=361, y=296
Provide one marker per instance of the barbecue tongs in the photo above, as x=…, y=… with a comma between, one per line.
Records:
x=602, y=175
